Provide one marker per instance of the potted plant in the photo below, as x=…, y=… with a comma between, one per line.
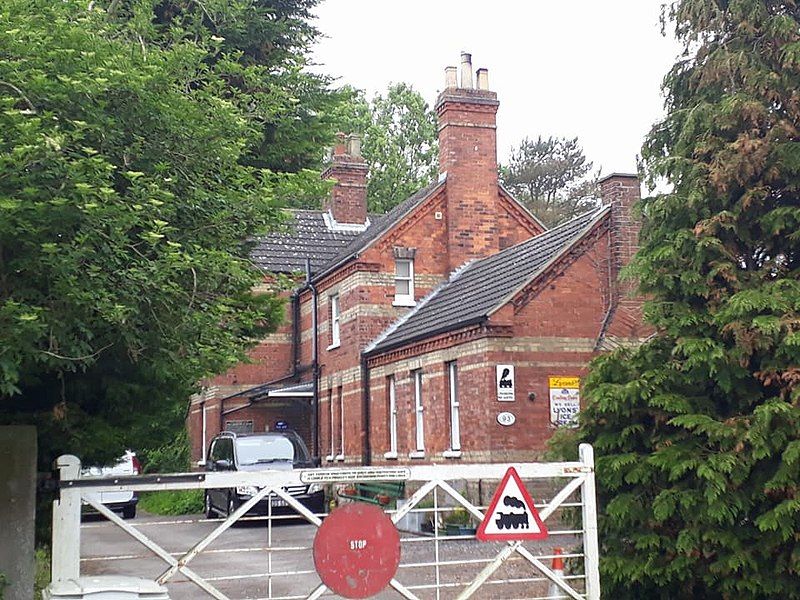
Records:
x=458, y=522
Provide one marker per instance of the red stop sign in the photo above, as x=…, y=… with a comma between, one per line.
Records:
x=357, y=550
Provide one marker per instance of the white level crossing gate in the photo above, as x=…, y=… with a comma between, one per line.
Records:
x=433, y=564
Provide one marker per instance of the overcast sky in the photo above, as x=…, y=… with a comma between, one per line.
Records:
x=586, y=68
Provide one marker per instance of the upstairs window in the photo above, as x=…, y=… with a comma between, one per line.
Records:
x=404, y=282
x=335, y=340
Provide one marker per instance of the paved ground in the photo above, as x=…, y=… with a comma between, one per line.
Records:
x=240, y=562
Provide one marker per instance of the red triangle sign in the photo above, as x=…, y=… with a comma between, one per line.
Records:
x=511, y=514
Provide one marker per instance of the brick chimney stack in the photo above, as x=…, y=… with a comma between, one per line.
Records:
x=348, y=200
x=468, y=154
x=622, y=191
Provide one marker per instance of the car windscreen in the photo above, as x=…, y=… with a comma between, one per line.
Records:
x=267, y=449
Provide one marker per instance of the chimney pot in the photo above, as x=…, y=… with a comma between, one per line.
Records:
x=451, y=77
x=354, y=145
x=483, y=79
x=340, y=147
x=466, y=70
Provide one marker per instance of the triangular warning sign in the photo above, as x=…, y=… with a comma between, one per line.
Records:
x=511, y=514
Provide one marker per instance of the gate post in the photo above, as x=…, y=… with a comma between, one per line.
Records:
x=18, y=499
x=67, y=522
x=591, y=548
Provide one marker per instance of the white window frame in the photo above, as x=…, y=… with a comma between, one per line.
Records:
x=390, y=383
x=455, y=424
x=335, y=318
x=330, y=456
x=404, y=299
x=340, y=394
x=419, y=410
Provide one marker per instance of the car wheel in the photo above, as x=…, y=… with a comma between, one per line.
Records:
x=207, y=508
x=129, y=512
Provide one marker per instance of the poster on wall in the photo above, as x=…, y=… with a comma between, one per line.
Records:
x=565, y=401
x=505, y=383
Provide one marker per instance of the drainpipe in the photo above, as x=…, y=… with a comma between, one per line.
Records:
x=295, y=332
x=314, y=360
x=366, y=457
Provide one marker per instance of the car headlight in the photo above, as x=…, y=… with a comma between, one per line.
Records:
x=247, y=490
x=314, y=488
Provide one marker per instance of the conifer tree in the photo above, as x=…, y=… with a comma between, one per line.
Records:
x=697, y=431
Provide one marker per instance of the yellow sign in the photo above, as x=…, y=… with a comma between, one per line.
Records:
x=568, y=383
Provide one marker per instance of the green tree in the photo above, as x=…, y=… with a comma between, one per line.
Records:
x=400, y=142
x=698, y=430
x=400, y=146
x=293, y=107
x=552, y=177
x=125, y=199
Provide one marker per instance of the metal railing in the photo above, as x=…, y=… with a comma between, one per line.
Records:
x=458, y=566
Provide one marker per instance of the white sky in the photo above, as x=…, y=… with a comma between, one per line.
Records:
x=586, y=68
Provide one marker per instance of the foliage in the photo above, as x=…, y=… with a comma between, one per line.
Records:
x=293, y=108
x=171, y=457
x=458, y=516
x=400, y=142
x=698, y=430
x=127, y=187
x=42, y=575
x=552, y=177
x=172, y=502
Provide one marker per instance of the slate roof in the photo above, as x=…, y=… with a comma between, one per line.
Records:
x=483, y=285
x=306, y=235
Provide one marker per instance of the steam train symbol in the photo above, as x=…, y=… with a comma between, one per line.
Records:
x=504, y=382
x=513, y=520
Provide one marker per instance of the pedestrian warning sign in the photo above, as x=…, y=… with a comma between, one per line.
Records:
x=511, y=514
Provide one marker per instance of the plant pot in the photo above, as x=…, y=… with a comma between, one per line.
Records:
x=458, y=529
x=383, y=499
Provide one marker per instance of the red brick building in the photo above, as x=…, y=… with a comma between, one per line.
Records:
x=455, y=327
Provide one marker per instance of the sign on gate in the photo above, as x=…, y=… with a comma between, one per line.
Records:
x=357, y=550
x=511, y=514
x=357, y=554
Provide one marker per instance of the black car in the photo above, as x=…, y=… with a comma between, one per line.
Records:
x=275, y=450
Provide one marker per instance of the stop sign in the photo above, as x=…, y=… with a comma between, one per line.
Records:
x=357, y=550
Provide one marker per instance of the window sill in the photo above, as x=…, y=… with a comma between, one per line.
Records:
x=339, y=458
x=451, y=454
x=390, y=456
x=333, y=346
x=417, y=454
x=406, y=303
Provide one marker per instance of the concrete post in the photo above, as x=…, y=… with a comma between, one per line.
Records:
x=67, y=523
x=18, y=499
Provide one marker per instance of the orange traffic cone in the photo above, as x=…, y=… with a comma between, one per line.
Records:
x=558, y=568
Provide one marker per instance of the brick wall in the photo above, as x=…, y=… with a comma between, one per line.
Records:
x=554, y=334
x=366, y=304
x=270, y=359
